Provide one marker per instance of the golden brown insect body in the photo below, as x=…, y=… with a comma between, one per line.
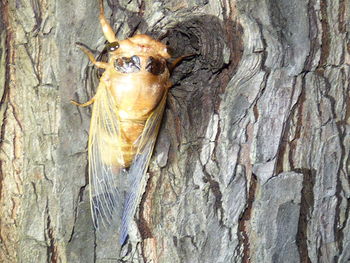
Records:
x=127, y=111
x=136, y=94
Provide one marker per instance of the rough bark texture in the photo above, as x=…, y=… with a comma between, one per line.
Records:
x=252, y=160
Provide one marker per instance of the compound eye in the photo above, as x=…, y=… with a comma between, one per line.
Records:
x=112, y=46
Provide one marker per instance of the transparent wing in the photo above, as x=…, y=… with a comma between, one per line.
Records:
x=139, y=167
x=104, y=151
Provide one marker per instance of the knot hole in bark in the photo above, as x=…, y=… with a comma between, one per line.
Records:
x=206, y=37
x=200, y=81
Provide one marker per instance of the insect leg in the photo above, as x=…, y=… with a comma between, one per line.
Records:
x=106, y=27
x=98, y=64
x=83, y=104
x=178, y=60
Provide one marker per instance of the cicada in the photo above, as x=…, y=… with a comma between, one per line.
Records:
x=126, y=116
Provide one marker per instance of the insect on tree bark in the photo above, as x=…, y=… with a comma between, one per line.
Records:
x=127, y=111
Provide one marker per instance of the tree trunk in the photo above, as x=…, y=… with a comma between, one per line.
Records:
x=252, y=159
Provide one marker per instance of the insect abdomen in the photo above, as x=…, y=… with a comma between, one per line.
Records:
x=130, y=132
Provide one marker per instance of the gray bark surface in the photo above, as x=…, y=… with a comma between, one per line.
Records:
x=252, y=159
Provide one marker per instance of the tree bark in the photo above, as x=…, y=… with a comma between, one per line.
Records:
x=252, y=159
